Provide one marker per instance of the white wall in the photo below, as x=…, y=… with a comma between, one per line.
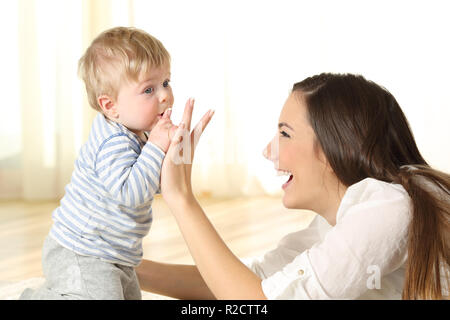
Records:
x=245, y=56
x=241, y=58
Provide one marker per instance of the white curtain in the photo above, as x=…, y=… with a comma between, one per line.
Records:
x=46, y=115
x=238, y=57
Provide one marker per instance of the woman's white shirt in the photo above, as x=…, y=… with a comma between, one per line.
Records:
x=361, y=257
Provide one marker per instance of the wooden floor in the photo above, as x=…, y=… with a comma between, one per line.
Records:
x=249, y=226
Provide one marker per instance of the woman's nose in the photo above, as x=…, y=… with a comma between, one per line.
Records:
x=270, y=152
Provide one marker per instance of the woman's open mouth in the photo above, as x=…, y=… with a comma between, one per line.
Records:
x=285, y=173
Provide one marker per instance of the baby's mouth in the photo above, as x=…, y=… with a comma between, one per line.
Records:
x=159, y=116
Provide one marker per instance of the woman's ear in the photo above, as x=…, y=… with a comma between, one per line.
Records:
x=108, y=107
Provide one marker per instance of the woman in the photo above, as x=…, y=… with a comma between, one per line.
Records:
x=351, y=157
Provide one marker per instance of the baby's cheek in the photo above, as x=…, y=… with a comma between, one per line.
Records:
x=149, y=121
x=152, y=115
x=154, y=123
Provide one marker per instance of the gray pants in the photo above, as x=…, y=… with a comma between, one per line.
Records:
x=69, y=276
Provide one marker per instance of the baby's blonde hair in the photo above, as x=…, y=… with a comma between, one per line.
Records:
x=117, y=55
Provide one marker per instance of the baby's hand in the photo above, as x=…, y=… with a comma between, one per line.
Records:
x=163, y=132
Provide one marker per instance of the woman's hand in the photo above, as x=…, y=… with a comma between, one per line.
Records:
x=211, y=255
x=176, y=187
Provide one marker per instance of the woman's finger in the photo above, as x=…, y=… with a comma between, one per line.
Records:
x=199, y=128
x=187, y=115
x=172, y=130
x=174, y=147
x=178, y=133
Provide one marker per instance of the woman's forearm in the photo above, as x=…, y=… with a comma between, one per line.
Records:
x=226, y=276
x=173, y=280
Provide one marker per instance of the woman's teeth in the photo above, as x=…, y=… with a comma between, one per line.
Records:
x=283, y=173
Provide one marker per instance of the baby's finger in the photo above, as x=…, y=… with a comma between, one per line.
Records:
x=167, y=113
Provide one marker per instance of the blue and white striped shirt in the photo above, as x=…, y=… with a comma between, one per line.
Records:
x=106, y=209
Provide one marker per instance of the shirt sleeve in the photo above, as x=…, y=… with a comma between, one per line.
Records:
x=132, y=178
x=287, y=249
x=371, y=236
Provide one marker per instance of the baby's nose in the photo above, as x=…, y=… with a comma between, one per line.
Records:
x=163, y=97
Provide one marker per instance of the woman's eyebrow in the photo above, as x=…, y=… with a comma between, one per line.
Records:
x=284, y=124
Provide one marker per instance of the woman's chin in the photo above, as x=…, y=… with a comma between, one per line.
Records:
x=288, y=203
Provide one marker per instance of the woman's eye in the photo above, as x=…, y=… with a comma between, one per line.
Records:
x=148, y=90
x=284, y=134
x=166, y=83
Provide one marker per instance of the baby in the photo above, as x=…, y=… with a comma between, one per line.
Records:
x=96, y=238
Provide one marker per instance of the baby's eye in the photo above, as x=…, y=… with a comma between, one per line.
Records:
x=166, y=83
x=148, y=90
x=284, y=134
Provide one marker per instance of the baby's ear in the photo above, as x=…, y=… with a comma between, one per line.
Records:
x=108, y=107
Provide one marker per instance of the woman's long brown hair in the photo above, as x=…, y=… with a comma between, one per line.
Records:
x=363, y=132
